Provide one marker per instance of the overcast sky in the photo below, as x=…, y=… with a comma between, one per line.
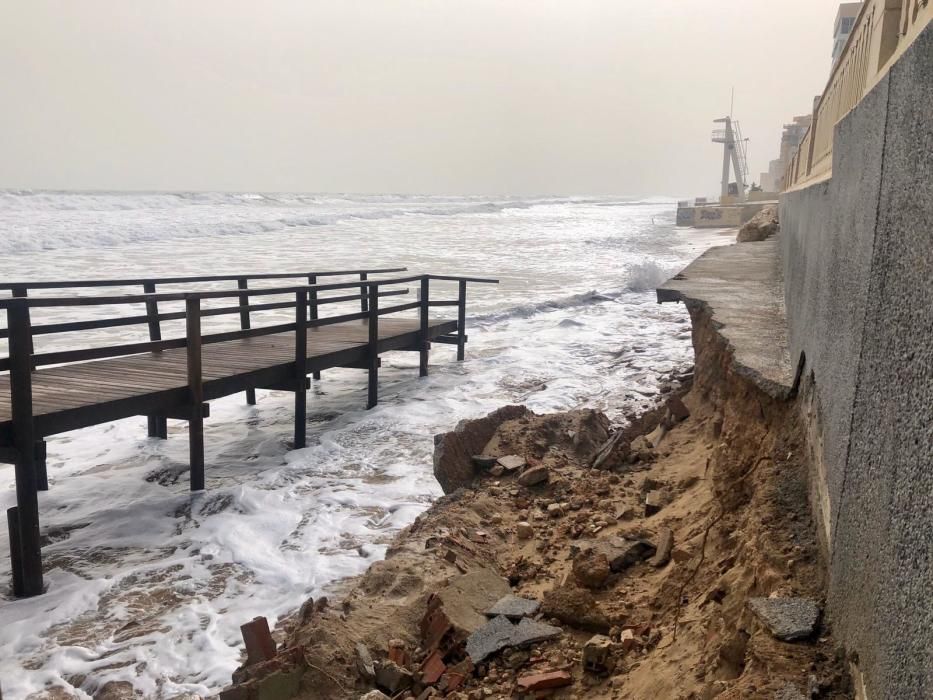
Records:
x=402, y=96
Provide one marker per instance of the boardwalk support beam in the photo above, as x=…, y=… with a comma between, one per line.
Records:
x=242, y=283
x=24, y=544
x=423, y=337
x=461, y=321
x=301, y=369
x=312, y=313
x=157, y=425
x=373, y=357
x=196, y=389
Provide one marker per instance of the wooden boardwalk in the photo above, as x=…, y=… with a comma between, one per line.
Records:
x=52, y=392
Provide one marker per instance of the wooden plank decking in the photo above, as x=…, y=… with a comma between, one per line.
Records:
x=77, y=395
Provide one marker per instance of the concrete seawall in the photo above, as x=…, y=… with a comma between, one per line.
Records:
x=857, y=256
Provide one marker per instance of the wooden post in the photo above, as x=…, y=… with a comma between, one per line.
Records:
x=158, y=425
x=373, y=398
x=42, y=473
x=16, y=559
x=461, y=322
x=301, y=369
x=363, y=278
x=312, y=310
x=21, y=291
x=423, y=335
x=242, y=283
x=196, y=389
x=24, y=441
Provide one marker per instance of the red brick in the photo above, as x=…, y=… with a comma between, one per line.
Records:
x=433, y=668
x=259, y=643
x=543, y=681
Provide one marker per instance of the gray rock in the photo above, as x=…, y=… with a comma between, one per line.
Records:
x=484, y=461
x=621, y=553
x=375, y=695
x=789, y=692
x=533, y=476
x=514, y=607
x=787, y=619
x=393, y=677
x=364, y=663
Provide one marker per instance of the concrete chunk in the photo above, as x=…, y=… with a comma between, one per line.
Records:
x=787, y=619
x=514, y=607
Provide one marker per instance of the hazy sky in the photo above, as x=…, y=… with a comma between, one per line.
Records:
x=428, y=96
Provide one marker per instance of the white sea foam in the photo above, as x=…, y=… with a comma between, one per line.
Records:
x=149, y=584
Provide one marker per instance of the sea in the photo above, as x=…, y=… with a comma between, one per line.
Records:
x=150, y=584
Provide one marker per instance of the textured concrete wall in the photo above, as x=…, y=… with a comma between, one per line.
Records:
x=858, y=259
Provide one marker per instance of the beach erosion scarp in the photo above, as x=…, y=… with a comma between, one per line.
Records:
x=674, y=556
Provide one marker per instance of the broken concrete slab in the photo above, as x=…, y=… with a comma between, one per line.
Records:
x=511, y=462
x=514, y=607
x=500, y=633
x=664, y=548
x=788, y=619
x=489, y=639
x=530, y=631
x=460, y=607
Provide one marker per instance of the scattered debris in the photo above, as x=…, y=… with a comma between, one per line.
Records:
x=788, y=619
x=596, y=654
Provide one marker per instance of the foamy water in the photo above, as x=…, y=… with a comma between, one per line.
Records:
x=150, y=584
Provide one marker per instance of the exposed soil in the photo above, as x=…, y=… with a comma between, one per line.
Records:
x=729, y=482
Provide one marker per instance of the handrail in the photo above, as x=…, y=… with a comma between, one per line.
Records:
x=369, y=295
x=54, y=302
x=72, y=284
x=118, y=321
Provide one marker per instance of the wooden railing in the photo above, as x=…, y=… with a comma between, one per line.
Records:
x=26, y=437
x=883, y=30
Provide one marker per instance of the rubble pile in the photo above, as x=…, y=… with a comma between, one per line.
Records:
x=567, y=559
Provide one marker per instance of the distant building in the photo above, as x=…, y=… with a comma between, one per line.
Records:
x=845, y=21
x=773, y=180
